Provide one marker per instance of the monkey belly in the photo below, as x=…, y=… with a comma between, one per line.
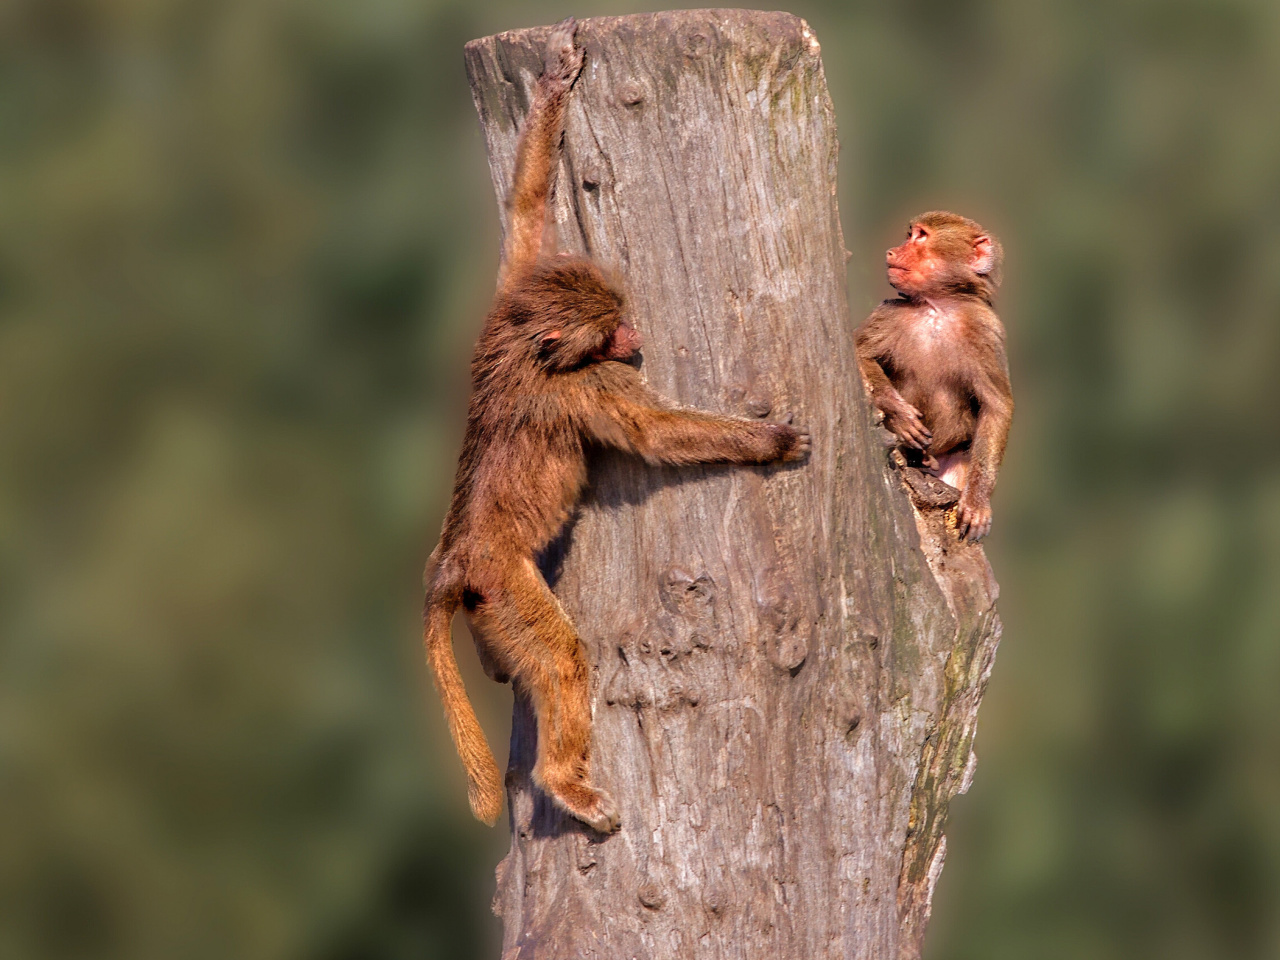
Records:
x=948, y=415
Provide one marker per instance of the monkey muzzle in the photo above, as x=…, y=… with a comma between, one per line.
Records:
x=623, y=344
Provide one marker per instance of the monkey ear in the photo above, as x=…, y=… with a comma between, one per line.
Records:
x=551, y=347
x=983, y=260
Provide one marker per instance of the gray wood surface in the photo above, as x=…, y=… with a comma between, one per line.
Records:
x=787, y=661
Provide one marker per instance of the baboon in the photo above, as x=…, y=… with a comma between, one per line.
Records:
x=934, y=359
x=550, y=382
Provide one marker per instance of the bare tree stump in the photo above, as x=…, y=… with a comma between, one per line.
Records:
x=787, y=661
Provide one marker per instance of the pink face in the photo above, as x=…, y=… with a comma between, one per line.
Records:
x=924, y=263
x=912, y=264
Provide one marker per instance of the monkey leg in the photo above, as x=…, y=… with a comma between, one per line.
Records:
x=491, y=665
x=488, y=645
x=531, y=637
x=953, y=468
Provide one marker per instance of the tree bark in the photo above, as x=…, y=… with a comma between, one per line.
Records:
x=787, y=661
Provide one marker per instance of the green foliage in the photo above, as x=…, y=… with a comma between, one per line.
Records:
x=245, y=249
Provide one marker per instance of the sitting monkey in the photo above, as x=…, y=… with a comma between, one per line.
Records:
x=549, y=381
x=933, y=359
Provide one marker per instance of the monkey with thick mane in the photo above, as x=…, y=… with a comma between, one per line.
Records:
x=550, y=381
x=934, y=359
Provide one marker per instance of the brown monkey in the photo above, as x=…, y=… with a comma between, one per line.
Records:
x=934, y=359
x=550, y=381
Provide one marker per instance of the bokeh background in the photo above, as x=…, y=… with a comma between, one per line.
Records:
x=244, y=250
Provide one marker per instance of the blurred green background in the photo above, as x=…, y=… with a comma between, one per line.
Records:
x=244, y=251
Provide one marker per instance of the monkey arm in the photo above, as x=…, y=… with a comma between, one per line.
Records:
x=867, y=340
x=538, y=150
x=627, y=416
x=995, y=415
x=986, y=452
x=900, y=417
x=689, y=436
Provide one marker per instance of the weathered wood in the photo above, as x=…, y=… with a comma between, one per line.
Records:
x=787, y=661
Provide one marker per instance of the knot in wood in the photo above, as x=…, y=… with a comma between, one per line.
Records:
x=785, y=639
x=715, y=900
x=695, y=46
x=651, y=896
x=685, y=595
x=631, y=92
x=789, y=652
x=586, y=855
x=759, y=406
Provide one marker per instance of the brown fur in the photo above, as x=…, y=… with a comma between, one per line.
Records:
x=547, y=387
x=934, y=359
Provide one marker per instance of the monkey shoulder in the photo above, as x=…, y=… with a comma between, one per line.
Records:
x=610, y=376
x=982, y=342
x=982, y=313
x=983, y=326
x=877, y=333
x=888, y=309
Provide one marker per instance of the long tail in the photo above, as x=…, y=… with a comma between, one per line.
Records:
x=484, y=782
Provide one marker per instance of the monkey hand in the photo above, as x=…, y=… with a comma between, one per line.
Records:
x=973, y=517
x=562, y=61
x=905, y=422
x=793, y=443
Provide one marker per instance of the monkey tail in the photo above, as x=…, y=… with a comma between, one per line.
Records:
x=484, y=782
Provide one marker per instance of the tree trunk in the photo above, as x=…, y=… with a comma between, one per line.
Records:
x=787, y=661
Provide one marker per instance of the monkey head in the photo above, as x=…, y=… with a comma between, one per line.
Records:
x=575, y=315
x=945, y=254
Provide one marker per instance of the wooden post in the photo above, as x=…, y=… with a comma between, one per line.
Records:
x=787, y=661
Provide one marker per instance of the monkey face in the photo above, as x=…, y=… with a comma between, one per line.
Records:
x=574, y=313
x=944, y=253
x=573, y=346
x=912, y=264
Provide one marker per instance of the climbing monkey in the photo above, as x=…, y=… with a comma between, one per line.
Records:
x=550, y=380
x=934, y=359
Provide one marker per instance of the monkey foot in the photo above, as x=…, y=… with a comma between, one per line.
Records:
x=593, y=807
